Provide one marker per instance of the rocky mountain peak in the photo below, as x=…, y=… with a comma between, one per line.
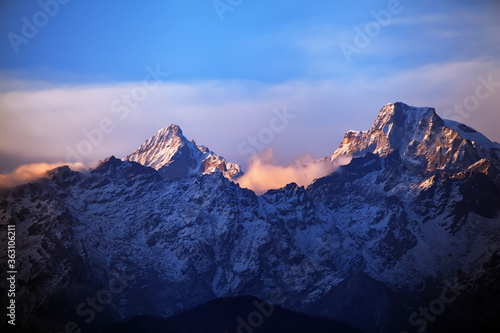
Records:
x=174, y=156
x=367, y=244
x=169, y=132
x=425, y=142
x=394, y=119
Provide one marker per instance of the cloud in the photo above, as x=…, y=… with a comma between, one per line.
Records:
x=30, y=172
x=417, y=36
x=46, y=124
x=264, y=172
x=421, y=19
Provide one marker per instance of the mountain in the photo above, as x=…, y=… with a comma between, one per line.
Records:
x=397, y=240
x=426, y=143
x=224, y=315
x=173, y=156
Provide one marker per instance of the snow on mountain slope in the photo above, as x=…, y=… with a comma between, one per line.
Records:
x=174, y=156
x=367, y=244
x=425, y=142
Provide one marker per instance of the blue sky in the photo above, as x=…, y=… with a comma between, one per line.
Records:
x=270, y=41
x=225, y=76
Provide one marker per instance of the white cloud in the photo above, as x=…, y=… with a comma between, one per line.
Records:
x=29, y=172
x=265, y=173
x=421, y=19
x=40, y=125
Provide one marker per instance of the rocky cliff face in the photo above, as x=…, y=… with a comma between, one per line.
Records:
x=368, y=244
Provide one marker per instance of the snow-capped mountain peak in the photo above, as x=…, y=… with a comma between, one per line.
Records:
x=174, y=156
x=158, y=150
x=425, y=142
x=367, y=244
x=171, y=134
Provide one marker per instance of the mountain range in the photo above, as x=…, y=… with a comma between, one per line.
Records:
x=404, y=238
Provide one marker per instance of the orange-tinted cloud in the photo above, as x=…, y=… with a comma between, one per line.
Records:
x=43, y=121
x=264, y=173
x=29, y=172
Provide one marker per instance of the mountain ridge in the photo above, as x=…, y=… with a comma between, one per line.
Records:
x=367, y=245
